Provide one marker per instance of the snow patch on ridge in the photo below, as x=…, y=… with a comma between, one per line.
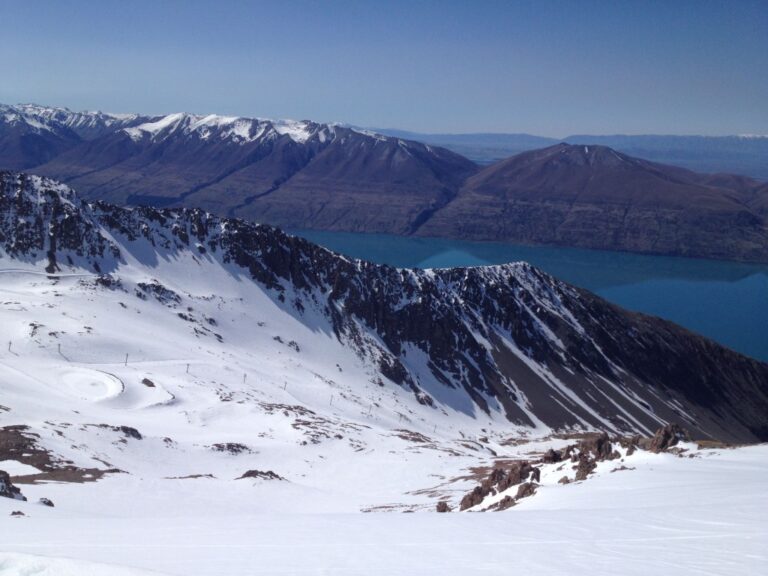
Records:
x=237, y=129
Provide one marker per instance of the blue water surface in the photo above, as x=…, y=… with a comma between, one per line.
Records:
x=725, y=301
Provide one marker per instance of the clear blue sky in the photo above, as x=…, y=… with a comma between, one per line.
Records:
x=549, y=68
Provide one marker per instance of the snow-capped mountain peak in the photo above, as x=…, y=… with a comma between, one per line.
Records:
x=86, y=125
x=92, y=124
x=236, y=129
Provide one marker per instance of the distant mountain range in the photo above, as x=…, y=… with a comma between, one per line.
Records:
x=299, y=174
x=302, y=174
x=596, y=197
x=739, y=154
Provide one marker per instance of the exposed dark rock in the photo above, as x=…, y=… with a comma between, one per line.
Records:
x=46, y=502
x=231, y=447
x=666, y=437
x=631, y=443
x=18, y=513
x=516, y=473
x=130, y=432
x=7, y=489
x=108, y=281
x=473, y=498
x=126, y=431
x=586, y=465
x=599, y=446
x=262, y=475
x=551, y=457
x=525, y=490
x=159, y=292
x=148, y=383
x=20, y=444
x=499, y=480
x=443, y=506
x=564, y=480
x=505, y=503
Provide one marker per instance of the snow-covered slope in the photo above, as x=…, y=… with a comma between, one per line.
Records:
x=232, y=128
x=190, y=392
x=87, y=125
x=506, y=341
x=31, y=135
x=661, y=514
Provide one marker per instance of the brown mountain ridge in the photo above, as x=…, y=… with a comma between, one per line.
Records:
x=596, y=197
x=307, y=175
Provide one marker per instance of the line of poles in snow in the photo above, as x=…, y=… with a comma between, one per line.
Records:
x=400, y=416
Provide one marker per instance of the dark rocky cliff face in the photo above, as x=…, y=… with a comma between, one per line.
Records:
x=507, y=338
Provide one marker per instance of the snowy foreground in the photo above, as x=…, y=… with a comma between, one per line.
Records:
x=349, y=468
x=670, y=515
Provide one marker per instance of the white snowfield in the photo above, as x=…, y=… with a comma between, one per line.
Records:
x=164, y=397
x=235, y=129
x=670, y=515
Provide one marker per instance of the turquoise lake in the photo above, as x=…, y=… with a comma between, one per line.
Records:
x=726, y=301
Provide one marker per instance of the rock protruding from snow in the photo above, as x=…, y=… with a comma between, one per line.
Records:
x=667, y=437
x=509, y=483
x=261, y=475
x=499, y=480
x=7, y=489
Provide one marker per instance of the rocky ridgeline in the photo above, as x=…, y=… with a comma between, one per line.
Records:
x=583, y=456
x=510, y=337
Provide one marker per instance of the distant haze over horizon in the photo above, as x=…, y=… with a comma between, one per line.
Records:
x=551, y=69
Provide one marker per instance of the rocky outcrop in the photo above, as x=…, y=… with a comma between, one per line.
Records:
x=19, y=443
x=525, y=490
x=667, y=437
x=500, y=480
x=504, y=504
x=262, y=475
x=7, y=489
x=583, y=457
x=126, y=431
x=233, y=448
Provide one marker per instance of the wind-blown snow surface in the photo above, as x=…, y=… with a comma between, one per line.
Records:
x=143, y=455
